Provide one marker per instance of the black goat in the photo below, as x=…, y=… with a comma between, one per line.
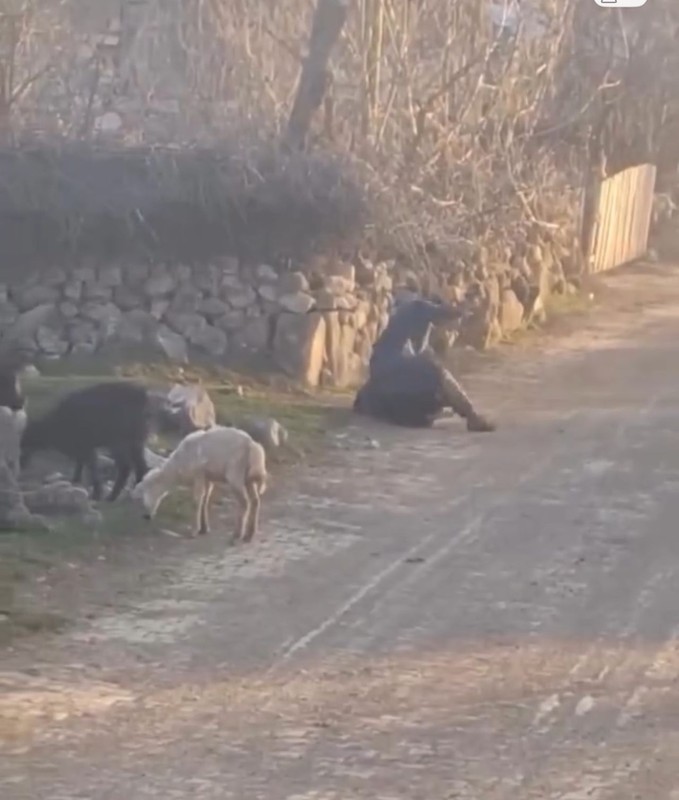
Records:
x=115, y=416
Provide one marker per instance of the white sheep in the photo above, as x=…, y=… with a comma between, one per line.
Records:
x=203, y=458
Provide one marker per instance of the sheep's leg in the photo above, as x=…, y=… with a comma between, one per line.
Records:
x=204, y=521
x=253, y=522
x=123, y=470
x=199, y=492
x=243, y=512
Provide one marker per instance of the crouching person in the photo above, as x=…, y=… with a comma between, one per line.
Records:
x=407, y=384
x=413, y=392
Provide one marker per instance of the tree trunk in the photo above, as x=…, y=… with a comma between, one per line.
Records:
x=328, y=22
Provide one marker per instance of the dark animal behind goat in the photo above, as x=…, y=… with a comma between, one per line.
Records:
x=114, y=415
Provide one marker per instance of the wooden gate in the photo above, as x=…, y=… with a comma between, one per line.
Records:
x=623, y=218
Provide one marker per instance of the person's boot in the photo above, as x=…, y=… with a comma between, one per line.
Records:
x=479, y=424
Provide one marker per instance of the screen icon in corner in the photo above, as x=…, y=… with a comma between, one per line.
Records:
x=620, y=3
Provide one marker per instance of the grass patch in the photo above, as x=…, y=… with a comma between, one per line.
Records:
x=29, y=560
x=306, y=416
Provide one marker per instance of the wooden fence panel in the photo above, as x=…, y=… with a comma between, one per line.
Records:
x=623, y=218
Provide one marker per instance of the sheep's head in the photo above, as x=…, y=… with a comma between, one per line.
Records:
x=150, y=492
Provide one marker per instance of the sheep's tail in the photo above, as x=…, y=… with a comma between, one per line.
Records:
x=256, y=465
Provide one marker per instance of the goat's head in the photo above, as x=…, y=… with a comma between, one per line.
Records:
x=150, y=492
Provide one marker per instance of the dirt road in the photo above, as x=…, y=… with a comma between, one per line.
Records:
x=446, y=616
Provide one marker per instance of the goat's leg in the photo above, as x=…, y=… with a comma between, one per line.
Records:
x=90, y=461
x=123, y=470
x=253, y=522
x=139, y=464
x=243, y=512
x=78, y=471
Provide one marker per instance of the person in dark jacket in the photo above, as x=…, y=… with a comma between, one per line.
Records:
x=407, y=385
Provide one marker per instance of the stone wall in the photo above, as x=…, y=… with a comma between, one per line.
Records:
x=317, y=324
x=318, y=327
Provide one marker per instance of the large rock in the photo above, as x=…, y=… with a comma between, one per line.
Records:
x=253, y=336
x=345, y=271
x=68, y=310
x=172, y=344
x=241, y=298
x=185, y=408
x=213, y=340
x=343, y=369
x=231, y=321
x=213, y=308
x=160, y=285
x=159, y=307
x=136, y=326
x=187, y=300
x=110, y=276
x=292, y=282
x=268, y=292
x=230, y=284
x=266, y=274
x=126, y=298
x=97, y=292
x=182, y=273
x=62, y=497
x=51, y=341
x=73, y=291
x=228, y=264
x=208, y=279
x=83, y=336
x=31, y=296
x=25, y=326
x=106, y=315
x=299, y=346
x=14, y=515
x=338, y=285
x=84, y=274
x=297, y=303
x=187, y=324
x=12, y=424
